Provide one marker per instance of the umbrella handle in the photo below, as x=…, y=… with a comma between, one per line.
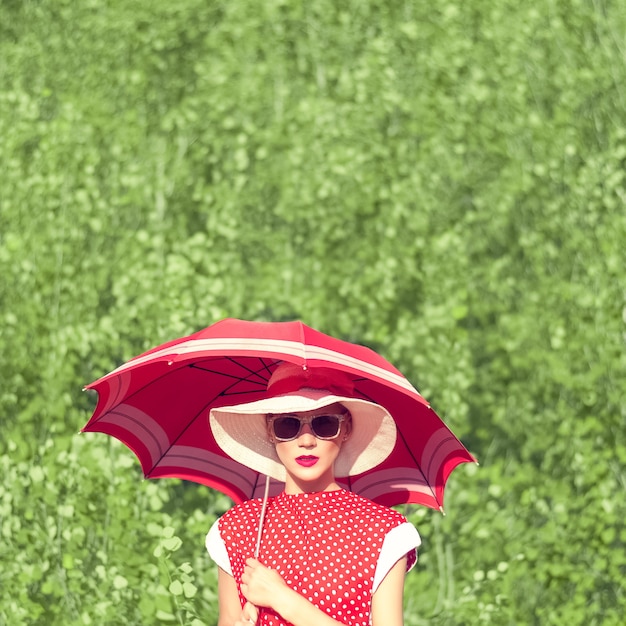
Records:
x=257, y=549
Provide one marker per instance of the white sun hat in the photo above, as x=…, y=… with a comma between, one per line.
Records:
x=241, y=430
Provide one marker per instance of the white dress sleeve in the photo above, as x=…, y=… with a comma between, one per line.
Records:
x=398, y=542
x=217, y=548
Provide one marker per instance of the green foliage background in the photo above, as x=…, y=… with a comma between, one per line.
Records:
x=444, y=182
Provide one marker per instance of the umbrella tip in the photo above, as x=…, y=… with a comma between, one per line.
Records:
x=442, y=511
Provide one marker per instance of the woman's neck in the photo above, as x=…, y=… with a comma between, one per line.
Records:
x=294, y=486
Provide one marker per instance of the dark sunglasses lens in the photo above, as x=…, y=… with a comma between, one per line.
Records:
x=286, y=427
x=325, y=426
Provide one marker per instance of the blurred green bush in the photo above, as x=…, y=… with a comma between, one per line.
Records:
x=444, y=183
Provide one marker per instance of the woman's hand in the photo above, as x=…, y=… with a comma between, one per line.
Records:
x=265, y=587
x=262, y=586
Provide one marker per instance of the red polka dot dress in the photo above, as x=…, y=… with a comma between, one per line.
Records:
x=325, y=546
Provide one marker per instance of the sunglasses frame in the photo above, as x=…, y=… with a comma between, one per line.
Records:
x=341, y=417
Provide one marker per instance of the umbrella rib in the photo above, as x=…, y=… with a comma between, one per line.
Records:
x=406, y=445
x=265, y=368
x=139, y=389
x=262, y=383
x=419, y=467
x=222, y=393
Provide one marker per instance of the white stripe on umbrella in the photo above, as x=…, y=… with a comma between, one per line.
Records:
x=218, y=345
x=395, y=479
x=269, y=347
x=439, y=446
x=118, y=387
x=181, y=458
x=142, y=426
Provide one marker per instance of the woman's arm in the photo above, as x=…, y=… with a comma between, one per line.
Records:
x=230, y=611
x=387, y=602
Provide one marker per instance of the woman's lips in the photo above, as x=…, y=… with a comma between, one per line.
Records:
x=307, y=461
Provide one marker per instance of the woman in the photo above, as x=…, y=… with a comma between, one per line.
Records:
x=327, y=556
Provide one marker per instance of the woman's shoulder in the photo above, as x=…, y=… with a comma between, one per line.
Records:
x=248, y=509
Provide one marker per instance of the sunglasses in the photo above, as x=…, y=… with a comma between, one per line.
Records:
x=288, y=427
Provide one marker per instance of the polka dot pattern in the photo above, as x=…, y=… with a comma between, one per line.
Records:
x=325, y=546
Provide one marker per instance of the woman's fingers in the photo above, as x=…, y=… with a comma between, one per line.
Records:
x=250, y=613
x=261, y=585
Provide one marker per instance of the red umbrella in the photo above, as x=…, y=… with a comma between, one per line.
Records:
x=158, y=405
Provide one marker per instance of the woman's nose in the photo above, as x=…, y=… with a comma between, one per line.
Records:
x=306, y=437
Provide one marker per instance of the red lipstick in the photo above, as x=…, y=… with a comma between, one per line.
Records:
x=307, y=461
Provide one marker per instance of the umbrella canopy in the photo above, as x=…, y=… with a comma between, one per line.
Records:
x=158, y=405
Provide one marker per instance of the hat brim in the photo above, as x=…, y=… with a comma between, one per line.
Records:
x=241, y=432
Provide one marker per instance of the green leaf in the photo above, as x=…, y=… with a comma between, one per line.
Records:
x=119, y=582
x=190, y=590
x=164, y=616
x=176, y=588
x=172, y=544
